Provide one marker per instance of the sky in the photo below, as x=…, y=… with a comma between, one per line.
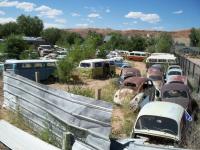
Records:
x=168, y=15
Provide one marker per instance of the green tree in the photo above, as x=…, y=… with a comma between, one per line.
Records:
x=51, y=35
x=137, y=43
x=68, y=39
x=8, y=29
x=195, y=37
x=164, y=43
x=29, y=54
x=30, y=26
x=14, y=46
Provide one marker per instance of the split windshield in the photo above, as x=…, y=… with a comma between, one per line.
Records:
x=155, y=78
x=157, y=123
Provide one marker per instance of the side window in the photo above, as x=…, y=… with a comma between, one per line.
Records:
x=26, y=65
x=38, y=65
x=152, y=60
x=50, y=64
x=98, y=64
x=8, y=66
x=85, y=65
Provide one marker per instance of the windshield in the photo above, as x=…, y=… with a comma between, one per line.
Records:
x=85, y=65
x=155, y=78
x=175, y=94
x=174, y=67
x=174, y=73
x=158, y=124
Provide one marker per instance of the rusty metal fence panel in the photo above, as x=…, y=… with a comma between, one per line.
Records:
x=192, y=71
x=88, y=119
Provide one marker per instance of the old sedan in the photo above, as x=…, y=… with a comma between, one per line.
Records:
x=161, y=123
x=131, y=87
x=157, y=77
x=173, y=72
x=177, y=93
x=128, y=72
x=177, y=79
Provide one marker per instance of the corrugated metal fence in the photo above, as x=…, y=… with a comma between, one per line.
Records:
x=192, y=71
x=88, y=119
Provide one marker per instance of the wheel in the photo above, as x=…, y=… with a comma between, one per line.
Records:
x=51, y=79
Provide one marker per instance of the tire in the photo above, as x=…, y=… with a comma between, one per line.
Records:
x=51, y=79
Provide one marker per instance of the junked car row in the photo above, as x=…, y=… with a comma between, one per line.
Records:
x=163, y=100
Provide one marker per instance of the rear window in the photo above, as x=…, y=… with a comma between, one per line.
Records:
x=112, y=63
x=132, y=85
x=155, y=78
x=85, y=65
x=38, y=65
x=174, y=73
x=175, y=94
x=98, y=64
x=26, y=65
x=157, y=123
x=152, y=60
x=51, y=64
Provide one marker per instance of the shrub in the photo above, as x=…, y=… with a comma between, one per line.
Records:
x=14, y=46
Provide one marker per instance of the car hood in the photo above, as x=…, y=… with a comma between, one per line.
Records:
x=157, y=133
x=123, y=95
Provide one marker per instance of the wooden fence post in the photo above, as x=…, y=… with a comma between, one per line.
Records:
x=17, y=104
x=98, y=94
x=198, y=86
x=37, y=77
x=188, y=68
x=68, y=140
x=193, y=70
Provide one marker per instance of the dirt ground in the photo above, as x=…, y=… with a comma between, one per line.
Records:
x=98, y=84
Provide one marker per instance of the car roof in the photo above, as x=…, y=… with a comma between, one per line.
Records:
x=174, y=86
x=132, y=70
x=161, y=56
x=136, y=80
x=11, y=61
x=174, y=66
x=175, y=69
x=177, y=78
x=154, y=71
x=92, y=60
x=163, y=109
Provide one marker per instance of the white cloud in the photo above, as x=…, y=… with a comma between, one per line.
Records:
x=7, y=3
x=92, y=9
x=74, y=14
x=2, y=12
x=26, y=6
x=150, y=18
x=94, y=15
x=6, y=20
x=107, y=10
x=54, y=25
x=61, y=21
x=48, y=12
x=82, y=25
x=178, y=12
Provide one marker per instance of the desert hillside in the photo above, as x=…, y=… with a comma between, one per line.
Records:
x=175, y=34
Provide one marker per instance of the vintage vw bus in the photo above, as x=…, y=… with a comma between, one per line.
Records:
x=97, y=68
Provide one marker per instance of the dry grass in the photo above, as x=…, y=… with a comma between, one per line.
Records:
x=16, y=119
x=193, y=138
